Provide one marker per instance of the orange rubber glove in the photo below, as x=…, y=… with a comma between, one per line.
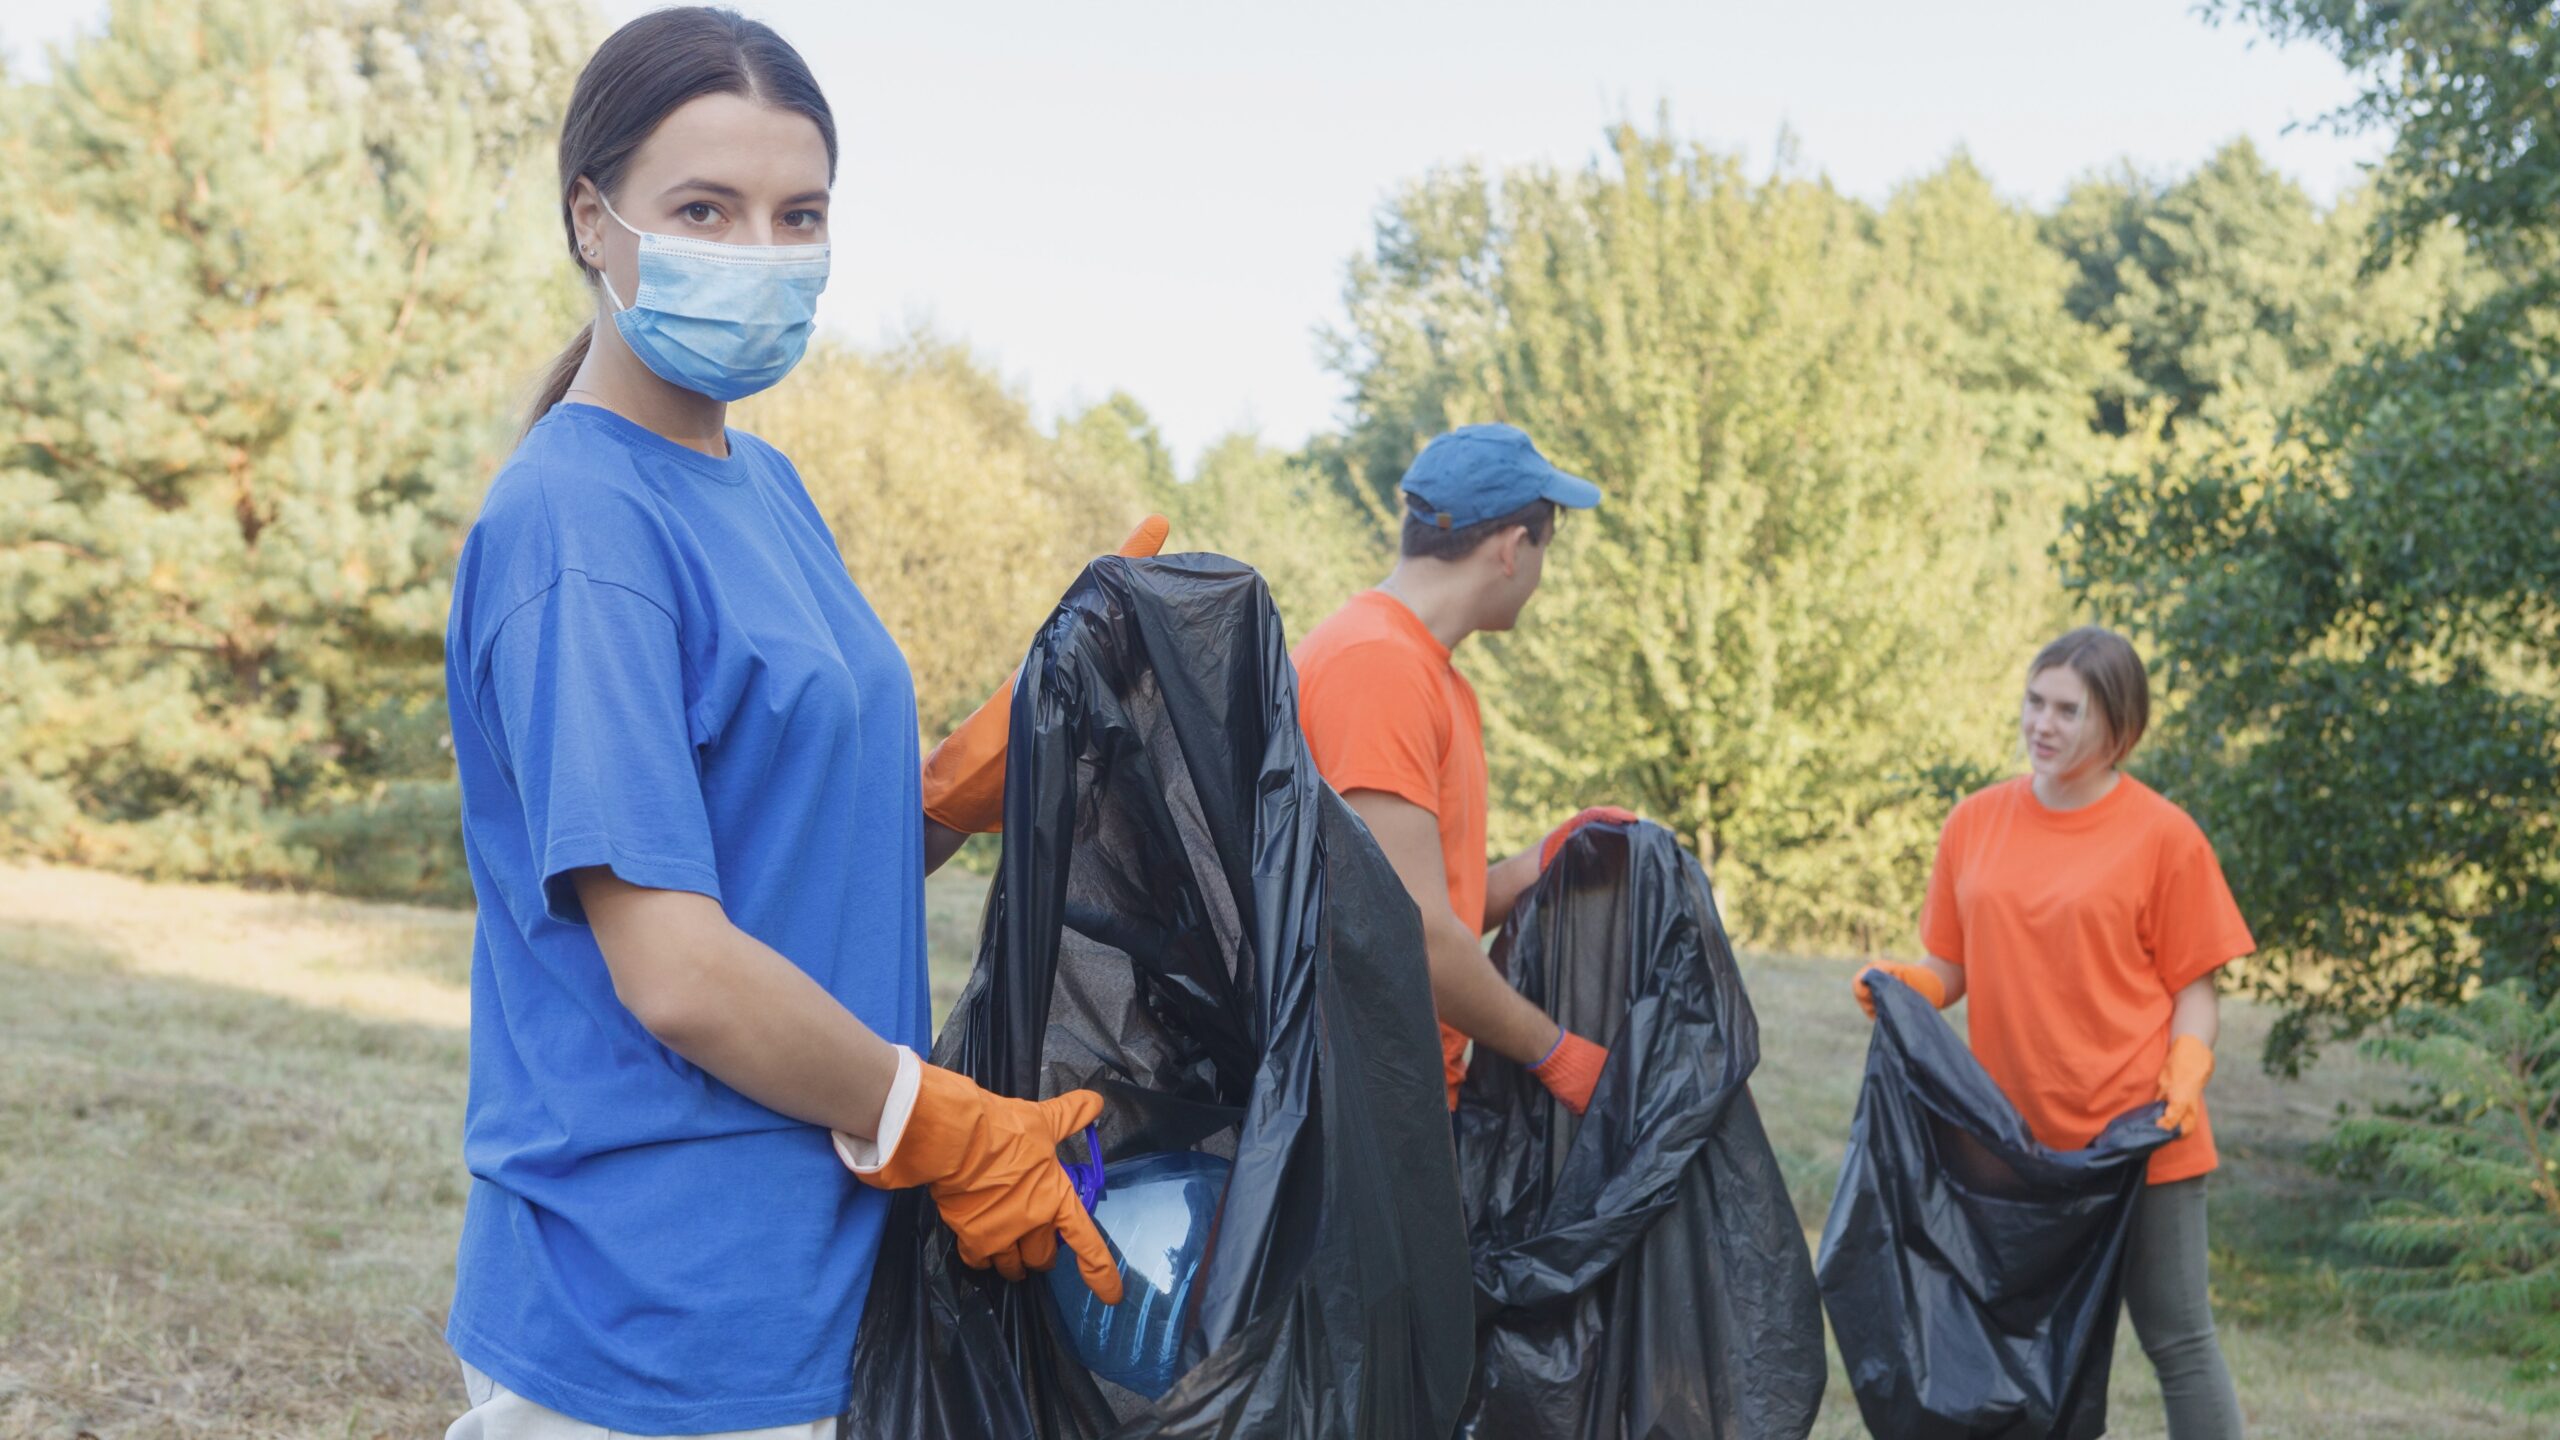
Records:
x=1571, y=1071
x=1600, y=814
x=1918, y=977
x=991, y=1164
x=964, y=776
x=2182, y=1080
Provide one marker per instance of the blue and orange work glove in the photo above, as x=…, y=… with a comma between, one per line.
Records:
x=1571, y=1071
x=1596, y=815
x=990, y=1162
x=964, y=776
x=1918, y=977
x=2182, y=1080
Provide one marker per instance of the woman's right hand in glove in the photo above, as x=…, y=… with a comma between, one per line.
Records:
x=990, y=1163
x=1918, y=977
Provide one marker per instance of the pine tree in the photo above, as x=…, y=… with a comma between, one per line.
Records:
x=275, y=272
x=2474, y=1243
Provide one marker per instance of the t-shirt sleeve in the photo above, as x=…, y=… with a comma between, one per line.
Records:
x=1941, y=923
x=2196, y=925
x=1376, y=721
x=582, y=696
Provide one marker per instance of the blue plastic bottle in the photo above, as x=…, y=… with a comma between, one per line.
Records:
x=1157, y=1212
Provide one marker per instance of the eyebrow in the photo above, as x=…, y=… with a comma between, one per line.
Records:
x=732, y=192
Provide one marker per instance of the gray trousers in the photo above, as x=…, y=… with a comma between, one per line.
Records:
x=2164, y=1292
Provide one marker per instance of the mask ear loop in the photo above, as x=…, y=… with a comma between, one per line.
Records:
x=609, y=291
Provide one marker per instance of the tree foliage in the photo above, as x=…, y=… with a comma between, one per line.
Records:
x=1313, y=541
x=1833, y=441
x=272, y=273
x=2228, y=291
x=2356, y=607
x=2470, y=95
x=277, y=270
x=2474, y=1242
x=959, y=518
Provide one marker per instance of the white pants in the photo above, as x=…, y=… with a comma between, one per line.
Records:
x=498, y=1413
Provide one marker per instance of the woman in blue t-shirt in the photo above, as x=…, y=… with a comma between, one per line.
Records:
x=696, y=825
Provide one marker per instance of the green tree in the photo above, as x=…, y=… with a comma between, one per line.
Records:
x=1833, y=443
x=2228, y=289
x=2470, y=95
x=273, y=273
x=1282, y=514
x=2355, y=618
x=961, y=521
x=1115, y=451
x=2474, y=1244
x=2357, y=611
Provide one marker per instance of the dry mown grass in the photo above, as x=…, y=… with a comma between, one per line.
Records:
x=231, y=1183
x=223, y=1211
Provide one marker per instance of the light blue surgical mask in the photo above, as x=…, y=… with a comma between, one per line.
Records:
x=720, y=320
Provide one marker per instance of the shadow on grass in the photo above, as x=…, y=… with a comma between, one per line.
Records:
x=37, y=944
x=223, y=1213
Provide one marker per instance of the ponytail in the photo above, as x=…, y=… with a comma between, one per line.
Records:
x=555, y=379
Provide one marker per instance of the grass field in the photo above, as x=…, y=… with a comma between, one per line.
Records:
x=229, y=1181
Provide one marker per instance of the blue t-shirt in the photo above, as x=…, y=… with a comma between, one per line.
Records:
x=656, y=662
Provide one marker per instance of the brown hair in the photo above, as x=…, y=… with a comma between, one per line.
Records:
x=2119, y=688
x=640, y=75
x=1425, y=538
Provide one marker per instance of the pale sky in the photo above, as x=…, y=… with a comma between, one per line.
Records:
x=1160, y=196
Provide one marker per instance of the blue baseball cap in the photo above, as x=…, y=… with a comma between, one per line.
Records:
x=1477, y=473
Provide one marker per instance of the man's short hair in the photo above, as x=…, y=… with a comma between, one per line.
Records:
x=1425, y=538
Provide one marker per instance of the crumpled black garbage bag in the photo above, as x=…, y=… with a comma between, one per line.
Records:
x=1188, y=920
x=1640, y=1272
x=1972, y=1275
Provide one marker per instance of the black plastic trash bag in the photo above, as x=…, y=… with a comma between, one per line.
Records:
x=1187, y=920
x=1973, y=1275
x=1640, y=1272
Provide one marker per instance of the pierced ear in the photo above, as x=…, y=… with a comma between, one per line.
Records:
x=586, y=222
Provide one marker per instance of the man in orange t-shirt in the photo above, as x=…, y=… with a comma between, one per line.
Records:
x=1394, y=728
x=2082, y=916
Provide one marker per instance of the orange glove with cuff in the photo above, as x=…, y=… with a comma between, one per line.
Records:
x=1571, y=1071
x=991, y=1164
x=964, y=776
x=2182, y=1078
x=1597, y=814
x=1918, y=977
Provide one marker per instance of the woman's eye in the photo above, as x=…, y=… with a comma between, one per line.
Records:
x=701, y=212
x=804, y=219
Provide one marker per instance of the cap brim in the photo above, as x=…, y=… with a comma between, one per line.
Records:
x=1571, y=491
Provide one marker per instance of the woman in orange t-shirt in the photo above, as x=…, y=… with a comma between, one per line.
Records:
x=2084, y=916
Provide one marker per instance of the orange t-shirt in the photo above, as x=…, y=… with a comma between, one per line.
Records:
x=1385, y=710
x=2076, y=928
